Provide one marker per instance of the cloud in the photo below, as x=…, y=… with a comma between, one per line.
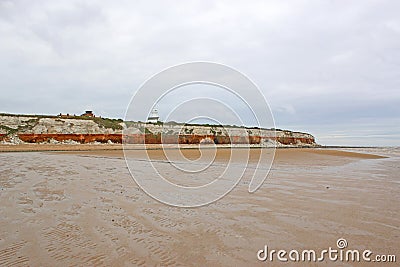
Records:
x=317, y=62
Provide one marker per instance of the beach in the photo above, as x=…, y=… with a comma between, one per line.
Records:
x=83, y=208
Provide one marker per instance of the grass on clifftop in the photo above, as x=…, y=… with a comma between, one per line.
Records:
x=108, y=123
x=115, y=123
x=102, y=122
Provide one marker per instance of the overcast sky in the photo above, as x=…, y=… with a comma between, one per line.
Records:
x=331, y=68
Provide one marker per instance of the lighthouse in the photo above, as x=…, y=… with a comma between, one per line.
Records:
x=153, y=117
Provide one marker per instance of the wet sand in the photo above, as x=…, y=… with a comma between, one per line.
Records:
x=282, y=155
x=83, y=208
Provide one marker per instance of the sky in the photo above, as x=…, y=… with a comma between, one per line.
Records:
x=330, y=68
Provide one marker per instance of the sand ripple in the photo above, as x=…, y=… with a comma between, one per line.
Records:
x=73, y=210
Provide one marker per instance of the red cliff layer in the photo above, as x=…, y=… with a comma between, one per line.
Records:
x=157, y=139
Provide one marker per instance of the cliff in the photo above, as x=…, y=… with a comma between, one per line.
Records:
x=51, y=129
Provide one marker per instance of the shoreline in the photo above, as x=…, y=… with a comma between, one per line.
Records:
x=4, y=148
x=223, y=152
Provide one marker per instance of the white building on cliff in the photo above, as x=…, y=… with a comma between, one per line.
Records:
x=153, y=117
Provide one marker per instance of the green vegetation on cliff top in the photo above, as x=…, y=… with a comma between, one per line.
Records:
x=115, y=124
